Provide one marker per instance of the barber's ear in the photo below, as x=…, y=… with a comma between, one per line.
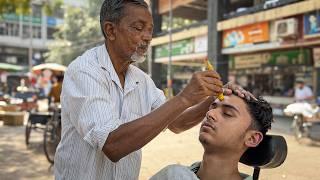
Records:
x=253, y=138
x=109, y=30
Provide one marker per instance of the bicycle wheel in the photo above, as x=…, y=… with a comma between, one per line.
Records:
x=51, y=139
x=28, y=131
x=298, y=128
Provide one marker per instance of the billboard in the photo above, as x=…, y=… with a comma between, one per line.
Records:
x=311, y=24
x=254, y=33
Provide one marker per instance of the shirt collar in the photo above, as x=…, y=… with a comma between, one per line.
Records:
x=105, y=62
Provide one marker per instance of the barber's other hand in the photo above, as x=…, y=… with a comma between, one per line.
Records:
x=201, y=85
x=230, y=87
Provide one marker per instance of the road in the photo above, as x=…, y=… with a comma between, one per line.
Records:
x=19, y=162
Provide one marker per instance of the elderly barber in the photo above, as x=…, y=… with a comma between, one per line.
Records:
x=111, y=109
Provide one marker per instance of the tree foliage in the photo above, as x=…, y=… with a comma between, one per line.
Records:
x=23, y=6
x=79, y=32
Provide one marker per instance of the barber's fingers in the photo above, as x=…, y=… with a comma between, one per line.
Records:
x=227, y=91
x=212, y=74
x=214, y=81
x=239, y=91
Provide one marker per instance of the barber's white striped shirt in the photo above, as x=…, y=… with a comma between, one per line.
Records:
x=93, y=105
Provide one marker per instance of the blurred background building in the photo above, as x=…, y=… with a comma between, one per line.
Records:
x=264, y=45
x=16, y=40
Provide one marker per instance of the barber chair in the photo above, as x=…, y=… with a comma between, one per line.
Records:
x=270, y=153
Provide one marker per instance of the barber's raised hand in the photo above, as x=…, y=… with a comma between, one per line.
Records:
x=201, y=85
x=230, y=88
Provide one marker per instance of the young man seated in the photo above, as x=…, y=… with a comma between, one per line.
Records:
x=231, y=127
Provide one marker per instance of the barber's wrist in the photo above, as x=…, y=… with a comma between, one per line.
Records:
x=185, y=101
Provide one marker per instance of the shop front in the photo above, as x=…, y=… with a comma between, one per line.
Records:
x=273, y=74
x=187, y=56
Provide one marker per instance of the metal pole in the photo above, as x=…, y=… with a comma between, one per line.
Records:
x=169, y=72
x=31, y=39
x=215, y=11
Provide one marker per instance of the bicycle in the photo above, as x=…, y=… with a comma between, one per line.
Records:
x=52, y=135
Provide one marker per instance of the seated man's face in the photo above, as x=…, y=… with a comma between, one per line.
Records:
x=227, y=126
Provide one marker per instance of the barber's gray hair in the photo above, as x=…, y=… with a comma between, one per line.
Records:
x=112, y=10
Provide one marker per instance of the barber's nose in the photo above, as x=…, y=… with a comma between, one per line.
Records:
x=147, y=36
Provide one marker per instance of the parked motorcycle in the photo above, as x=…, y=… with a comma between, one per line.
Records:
x=306, y=120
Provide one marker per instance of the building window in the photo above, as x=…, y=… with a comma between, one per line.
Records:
x=13, y=29
x=9, y=29
x=3, y=29
x=36, y=31
x=50, y=32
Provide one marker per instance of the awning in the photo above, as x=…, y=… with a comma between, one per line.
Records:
x=195, y=59
x=10, y=67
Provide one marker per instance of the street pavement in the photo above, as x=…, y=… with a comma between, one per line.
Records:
x=17, y=161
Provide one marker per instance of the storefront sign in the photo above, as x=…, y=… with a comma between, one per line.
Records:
x=311, y=24
x=201, y=44
x=15, y=18
x=293, y=57
x=11, y=17
x=250, y=61
x=246, y=35
x=35, y=20
x=182, y=47
x=316, y=56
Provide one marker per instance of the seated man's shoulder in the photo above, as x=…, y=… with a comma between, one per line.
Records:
x=175, y=172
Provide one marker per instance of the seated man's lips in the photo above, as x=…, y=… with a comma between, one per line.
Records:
x=207, y=124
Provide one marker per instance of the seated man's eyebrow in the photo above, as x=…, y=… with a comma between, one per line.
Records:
x=224, y=105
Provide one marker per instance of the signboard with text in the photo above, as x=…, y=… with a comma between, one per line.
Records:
x=182, y=47
x=316, y=56
x=254, y=33
x=291, y=57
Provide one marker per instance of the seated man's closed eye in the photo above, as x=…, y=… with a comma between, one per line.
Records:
x=231, y=127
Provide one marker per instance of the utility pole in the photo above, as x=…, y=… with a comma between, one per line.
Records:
x=220, y=62
x=156, y=68
x=30, y=50
x=169, y=70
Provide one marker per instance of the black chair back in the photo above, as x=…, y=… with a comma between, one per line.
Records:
x=270, y=153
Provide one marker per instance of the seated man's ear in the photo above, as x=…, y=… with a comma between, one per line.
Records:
x=253, y=138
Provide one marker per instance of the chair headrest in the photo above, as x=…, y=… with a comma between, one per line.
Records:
x=270, y=153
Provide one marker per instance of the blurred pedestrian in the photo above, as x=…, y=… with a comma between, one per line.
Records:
x=56, y=89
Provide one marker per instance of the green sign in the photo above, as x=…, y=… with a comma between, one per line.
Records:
x=280, y=58
x=15, y=18
x=35, y=20
x=292, y=57
x=11, y=17
x=182, y=47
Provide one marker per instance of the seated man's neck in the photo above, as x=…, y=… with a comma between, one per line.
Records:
x=219, y=166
